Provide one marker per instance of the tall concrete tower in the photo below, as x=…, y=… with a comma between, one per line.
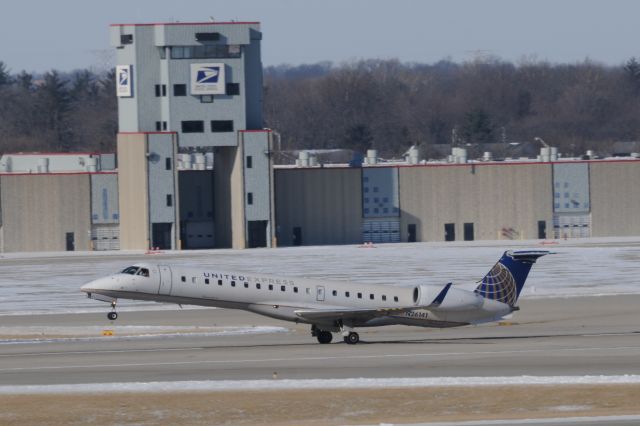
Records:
x=194, y=161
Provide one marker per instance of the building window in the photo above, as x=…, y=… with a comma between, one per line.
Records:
x=371, y=296
x=233, y=283
x=167, y=163
x=183, y=279
x=206, y=280
x=346, y=294
x=206, y=99
x=233, y=89
x=207, y=36
x=258, y=286
x=206, y=51
x=270, y=286
x=384, y=297
x=222, y=125
x=359, y=295
x=246, y=285
x=334, y=292
x=250, y=198
x=282, y=288
x=179, y=90
x=295, y=289
x=169, y=200
x=126, y=39
x=193, y=126
x=249, y=162
x=161, y=90
x=395, y=298
x=219, y=282
x=158, y=126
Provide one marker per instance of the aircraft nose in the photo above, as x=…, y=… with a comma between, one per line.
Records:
x=94, y=285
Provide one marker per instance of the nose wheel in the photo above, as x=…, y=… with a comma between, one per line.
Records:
x=113, y=315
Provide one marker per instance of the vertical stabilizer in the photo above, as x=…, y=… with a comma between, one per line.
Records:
x=505, y=280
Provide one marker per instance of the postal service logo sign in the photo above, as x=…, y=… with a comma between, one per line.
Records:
x=207, y=79
x=124, y=86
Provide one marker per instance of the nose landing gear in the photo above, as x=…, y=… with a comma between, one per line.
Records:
x=113, y=315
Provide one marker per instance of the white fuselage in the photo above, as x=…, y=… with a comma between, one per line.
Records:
x=281, y=297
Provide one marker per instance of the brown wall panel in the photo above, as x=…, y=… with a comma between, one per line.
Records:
x=492, y=197
x=38, y=211
x=133, y=195
x=325, y=203
x=615, y=198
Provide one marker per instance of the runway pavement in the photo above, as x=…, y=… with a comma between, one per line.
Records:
x=548, y=337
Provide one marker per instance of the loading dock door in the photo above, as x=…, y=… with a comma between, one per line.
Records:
x=165, y=280
x=161, y=236
x=70, y=242
x=257, y=233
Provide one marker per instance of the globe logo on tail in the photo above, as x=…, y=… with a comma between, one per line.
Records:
x=499, y=285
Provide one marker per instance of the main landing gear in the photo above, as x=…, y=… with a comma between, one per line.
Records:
x=352, y=338
x=324, y=336
x=113, y=315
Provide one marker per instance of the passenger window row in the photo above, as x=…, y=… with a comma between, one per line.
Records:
x=233, y=284
x=295, y=289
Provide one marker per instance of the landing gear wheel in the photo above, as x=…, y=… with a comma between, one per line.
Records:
x=324, y=336
x=112, y=316
x=352, y=338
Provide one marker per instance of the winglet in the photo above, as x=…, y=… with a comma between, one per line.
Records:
x=440, y=297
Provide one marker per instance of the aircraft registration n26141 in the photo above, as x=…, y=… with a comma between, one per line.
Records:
x=329, y=307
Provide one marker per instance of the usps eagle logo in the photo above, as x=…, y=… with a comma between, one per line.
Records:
x=123, y=77
x=208, y=75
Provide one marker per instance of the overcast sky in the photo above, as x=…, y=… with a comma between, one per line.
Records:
x=40, y=35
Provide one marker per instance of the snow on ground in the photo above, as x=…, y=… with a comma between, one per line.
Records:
x=49, y=282
x=358, y=383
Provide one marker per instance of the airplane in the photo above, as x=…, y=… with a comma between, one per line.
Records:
x=329, y=307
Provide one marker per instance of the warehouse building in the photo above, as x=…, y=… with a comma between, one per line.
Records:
x=58, y=202
x=441, y=201
x=194, y=160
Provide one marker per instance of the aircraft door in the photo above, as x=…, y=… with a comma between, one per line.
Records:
x=165, y=280
x=320, y=293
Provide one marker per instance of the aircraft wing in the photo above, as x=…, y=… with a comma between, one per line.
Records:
x=336, y=314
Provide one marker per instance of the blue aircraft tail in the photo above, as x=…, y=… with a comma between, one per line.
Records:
x=505, y=280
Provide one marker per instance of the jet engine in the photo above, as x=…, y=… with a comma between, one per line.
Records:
x=446, y=298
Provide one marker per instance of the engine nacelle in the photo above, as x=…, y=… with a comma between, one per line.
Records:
x=424, y=295
x=454, y=299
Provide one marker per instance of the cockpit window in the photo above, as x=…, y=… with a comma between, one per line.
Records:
x=131, y=270
x=144, y=272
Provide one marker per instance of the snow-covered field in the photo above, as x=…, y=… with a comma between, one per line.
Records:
x=39, y=283
x=359, y=383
